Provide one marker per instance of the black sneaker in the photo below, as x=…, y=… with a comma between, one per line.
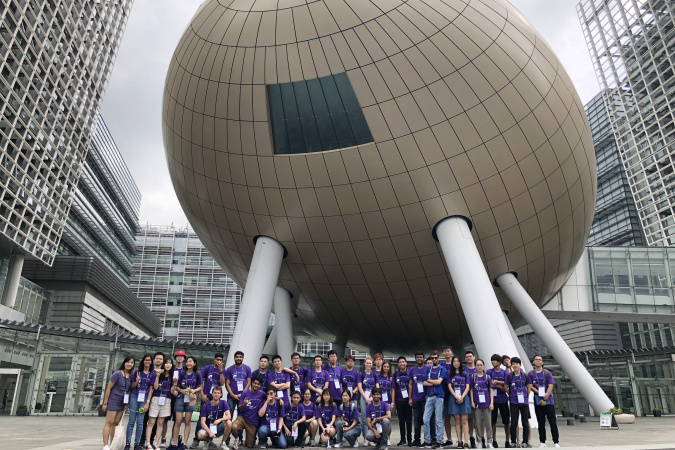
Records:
x=507, y=445
x=410, y=443
x=447, y=444
x=483, y=441
x=138, y=447
x=428, y=445
x=127, y=447
x=494, y=444
x=417, y=443
x=473, y=442
x=401, y=443
x=514, y=445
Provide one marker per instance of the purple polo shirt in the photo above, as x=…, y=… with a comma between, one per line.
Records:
x=518, y=384
x=250, y=411
x=350, y=380
x=417, y=376
x=234, y=374
x=213, y=413
x=335, y=375
x=164, y=389
x=500, y=396
x=318, y=380
x=480, y=388
x=538, y=379
x=401, y=381
x=280, y=378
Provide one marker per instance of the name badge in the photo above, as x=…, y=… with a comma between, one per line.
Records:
x=213, y=428
x=273, y=426
x=161, y=400
x=280, y=394
x=404, y=393
x=351, y=389
x=336, y=383
x=240, y=385
x=126, y=398
x=542, y=391
x=186, y=398
x=378, y=427
x=481, y=397
x=458, y=392
x=141, y=397
x=297, y=388
x=367, y=393
x=420, y=387
x=294, y=433
x=385, y=397
x=521, y=397
x=175, y=376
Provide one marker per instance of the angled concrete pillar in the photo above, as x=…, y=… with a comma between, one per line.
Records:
x=483, y=314
x=527, y=363
x=13, y=279
x=256, y=303
x=563, y=355
x=271, y=344
x=284, y=324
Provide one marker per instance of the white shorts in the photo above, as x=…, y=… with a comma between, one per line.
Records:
x=160, y=411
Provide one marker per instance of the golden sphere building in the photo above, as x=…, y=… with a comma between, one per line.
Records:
x=372, y=167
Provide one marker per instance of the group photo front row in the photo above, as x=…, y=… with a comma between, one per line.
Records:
x=328, y=405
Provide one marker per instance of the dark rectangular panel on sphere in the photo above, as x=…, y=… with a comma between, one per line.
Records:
x=316, y=115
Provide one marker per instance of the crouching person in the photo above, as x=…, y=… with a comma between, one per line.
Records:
x=215, y=419
x=249, y=404
x=271, y=420
x=295, y=422
x=378, y=417
x=348, y=425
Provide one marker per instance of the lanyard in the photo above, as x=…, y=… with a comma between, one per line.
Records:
x=217, y=411
x=319, y=376
x=377, y=410
x=239, y=376
x=294, y=413
x=402, y=378
x=367, y=377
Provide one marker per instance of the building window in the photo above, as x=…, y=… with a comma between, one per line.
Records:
x=316, y=115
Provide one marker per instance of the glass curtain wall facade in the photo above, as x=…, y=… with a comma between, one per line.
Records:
x=56, y=57
x=176, y=277
x=616, y=221
x=632, y=44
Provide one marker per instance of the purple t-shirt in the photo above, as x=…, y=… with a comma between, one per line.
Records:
x=401, y=381
x=499, y=395
x=417, y=376
x=369, y=381
x=213, y=413
x=280, y=378
x=192, y=381
x=147, y=380
x=348, y=414
x=459, y=382
x=293, y=414
x=299, y=385
x=309, y=409
x=518, y=385
x=350, y=379
x=256, y=373
x=538, y=379
x=122, y=385
x=380, y=410
x=237, y=374
x=481, y=390
x=318, y=380
x=334, y=376
x=326, y=413
x=470, y=371
x=385, y=386
x=211, y=379
x=272, y=414
x=164, y=389
x=250, y=411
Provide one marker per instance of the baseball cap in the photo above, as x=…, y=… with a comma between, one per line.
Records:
x=180, y=353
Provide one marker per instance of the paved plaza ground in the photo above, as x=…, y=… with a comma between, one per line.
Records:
x=84, y=433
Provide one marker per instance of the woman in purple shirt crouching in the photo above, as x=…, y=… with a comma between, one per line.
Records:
x=116, y=398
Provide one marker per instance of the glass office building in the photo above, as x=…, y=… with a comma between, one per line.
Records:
x=55, y=61
x=632, y=44
x=616, y=221
x=176, y=277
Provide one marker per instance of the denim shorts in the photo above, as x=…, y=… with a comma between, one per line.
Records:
x=183, y=407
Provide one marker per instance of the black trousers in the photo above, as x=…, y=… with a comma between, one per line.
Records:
x=517, y=411
x=404, y=420
x=418, y=412
x=543, y=413
x=299, y=441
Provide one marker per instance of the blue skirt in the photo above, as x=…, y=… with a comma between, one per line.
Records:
x=464, y=408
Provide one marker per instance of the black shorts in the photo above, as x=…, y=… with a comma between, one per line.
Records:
x=503, y=409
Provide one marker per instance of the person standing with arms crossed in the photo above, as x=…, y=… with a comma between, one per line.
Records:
x=447, y=417
x=470, y=369
x=501, y=398
x=401, y=402
x=433, y=382
x=417, y=394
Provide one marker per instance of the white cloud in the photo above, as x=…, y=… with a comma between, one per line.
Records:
x=132, y=105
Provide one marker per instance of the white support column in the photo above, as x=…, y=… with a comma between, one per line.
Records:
x=481, y=308
x=13, y=279
x=284, y=324
x=256, y=303
x=563, y=355
x=527, y=364
x=271, y=344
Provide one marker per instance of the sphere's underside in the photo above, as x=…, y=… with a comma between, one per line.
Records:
x=470, y=113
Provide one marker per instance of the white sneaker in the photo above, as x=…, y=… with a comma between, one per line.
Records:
x=556, y=445
x=107, y=447
x=337, y=445
x=235, y=444
x=223, y=446
x=542, y=445
x=163, y=444
x=356, y=444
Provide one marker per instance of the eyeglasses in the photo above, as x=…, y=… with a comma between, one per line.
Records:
x=434, y=357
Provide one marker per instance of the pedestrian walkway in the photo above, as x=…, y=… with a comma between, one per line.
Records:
x=84, y=433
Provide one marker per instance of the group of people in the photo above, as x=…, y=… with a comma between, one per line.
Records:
x=329, y=404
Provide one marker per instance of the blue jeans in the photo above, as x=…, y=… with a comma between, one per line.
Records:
x=351, y=436
x=135, y=418
x=221, y=428
x=232, y=403
x=264, y=433
x=433, y=405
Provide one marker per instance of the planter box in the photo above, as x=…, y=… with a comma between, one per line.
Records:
x=657, y=413
x=625, y=418
x=22, y=412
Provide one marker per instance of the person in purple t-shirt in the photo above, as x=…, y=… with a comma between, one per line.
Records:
x=280, y=380
x=544, y=406
x=334, y=376
x=249, y=404
x=298, y=374
x=317, y=379
x=237, y=380
x=447, y=417
x=215, y=419
x=368, y=382
x=378, y=418
x=469, y=369
x=482, y=402
x=272, y=415
x=417, y=394
x=116, y=399
x=501, y=400
x=144, y=379
x=401, y=402
x=312, y=423
x=348, y=425
x=263, y=369
x=351, y=378
x=326, y=414
x=519, y=385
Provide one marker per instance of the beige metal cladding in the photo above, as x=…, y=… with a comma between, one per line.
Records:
x=471, y=114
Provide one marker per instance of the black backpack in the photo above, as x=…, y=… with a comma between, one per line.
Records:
x=488, y=380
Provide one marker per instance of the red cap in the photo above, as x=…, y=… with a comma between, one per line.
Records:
x=180, y=353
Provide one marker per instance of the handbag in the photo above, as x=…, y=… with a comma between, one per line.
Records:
x=119, y=438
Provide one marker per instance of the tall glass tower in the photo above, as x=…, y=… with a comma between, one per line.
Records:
x=632, y=44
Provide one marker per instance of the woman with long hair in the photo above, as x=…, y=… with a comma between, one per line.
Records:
x=144, y=379
x=368, y=382
x=460, y=406
x=326, y=415
x=186, y=390
x=160, y=405
x=116, y=399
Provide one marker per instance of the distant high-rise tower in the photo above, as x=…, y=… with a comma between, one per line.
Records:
x=616, y=221
x=55, y=61
x=632, y=44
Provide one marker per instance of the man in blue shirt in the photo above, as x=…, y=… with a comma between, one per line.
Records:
x=433, y=382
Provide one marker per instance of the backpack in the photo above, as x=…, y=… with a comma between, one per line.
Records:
x=351, y=407
x=488, y=379
x=531, y=374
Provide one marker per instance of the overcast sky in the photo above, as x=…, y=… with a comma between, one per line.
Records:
x=132, y=104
